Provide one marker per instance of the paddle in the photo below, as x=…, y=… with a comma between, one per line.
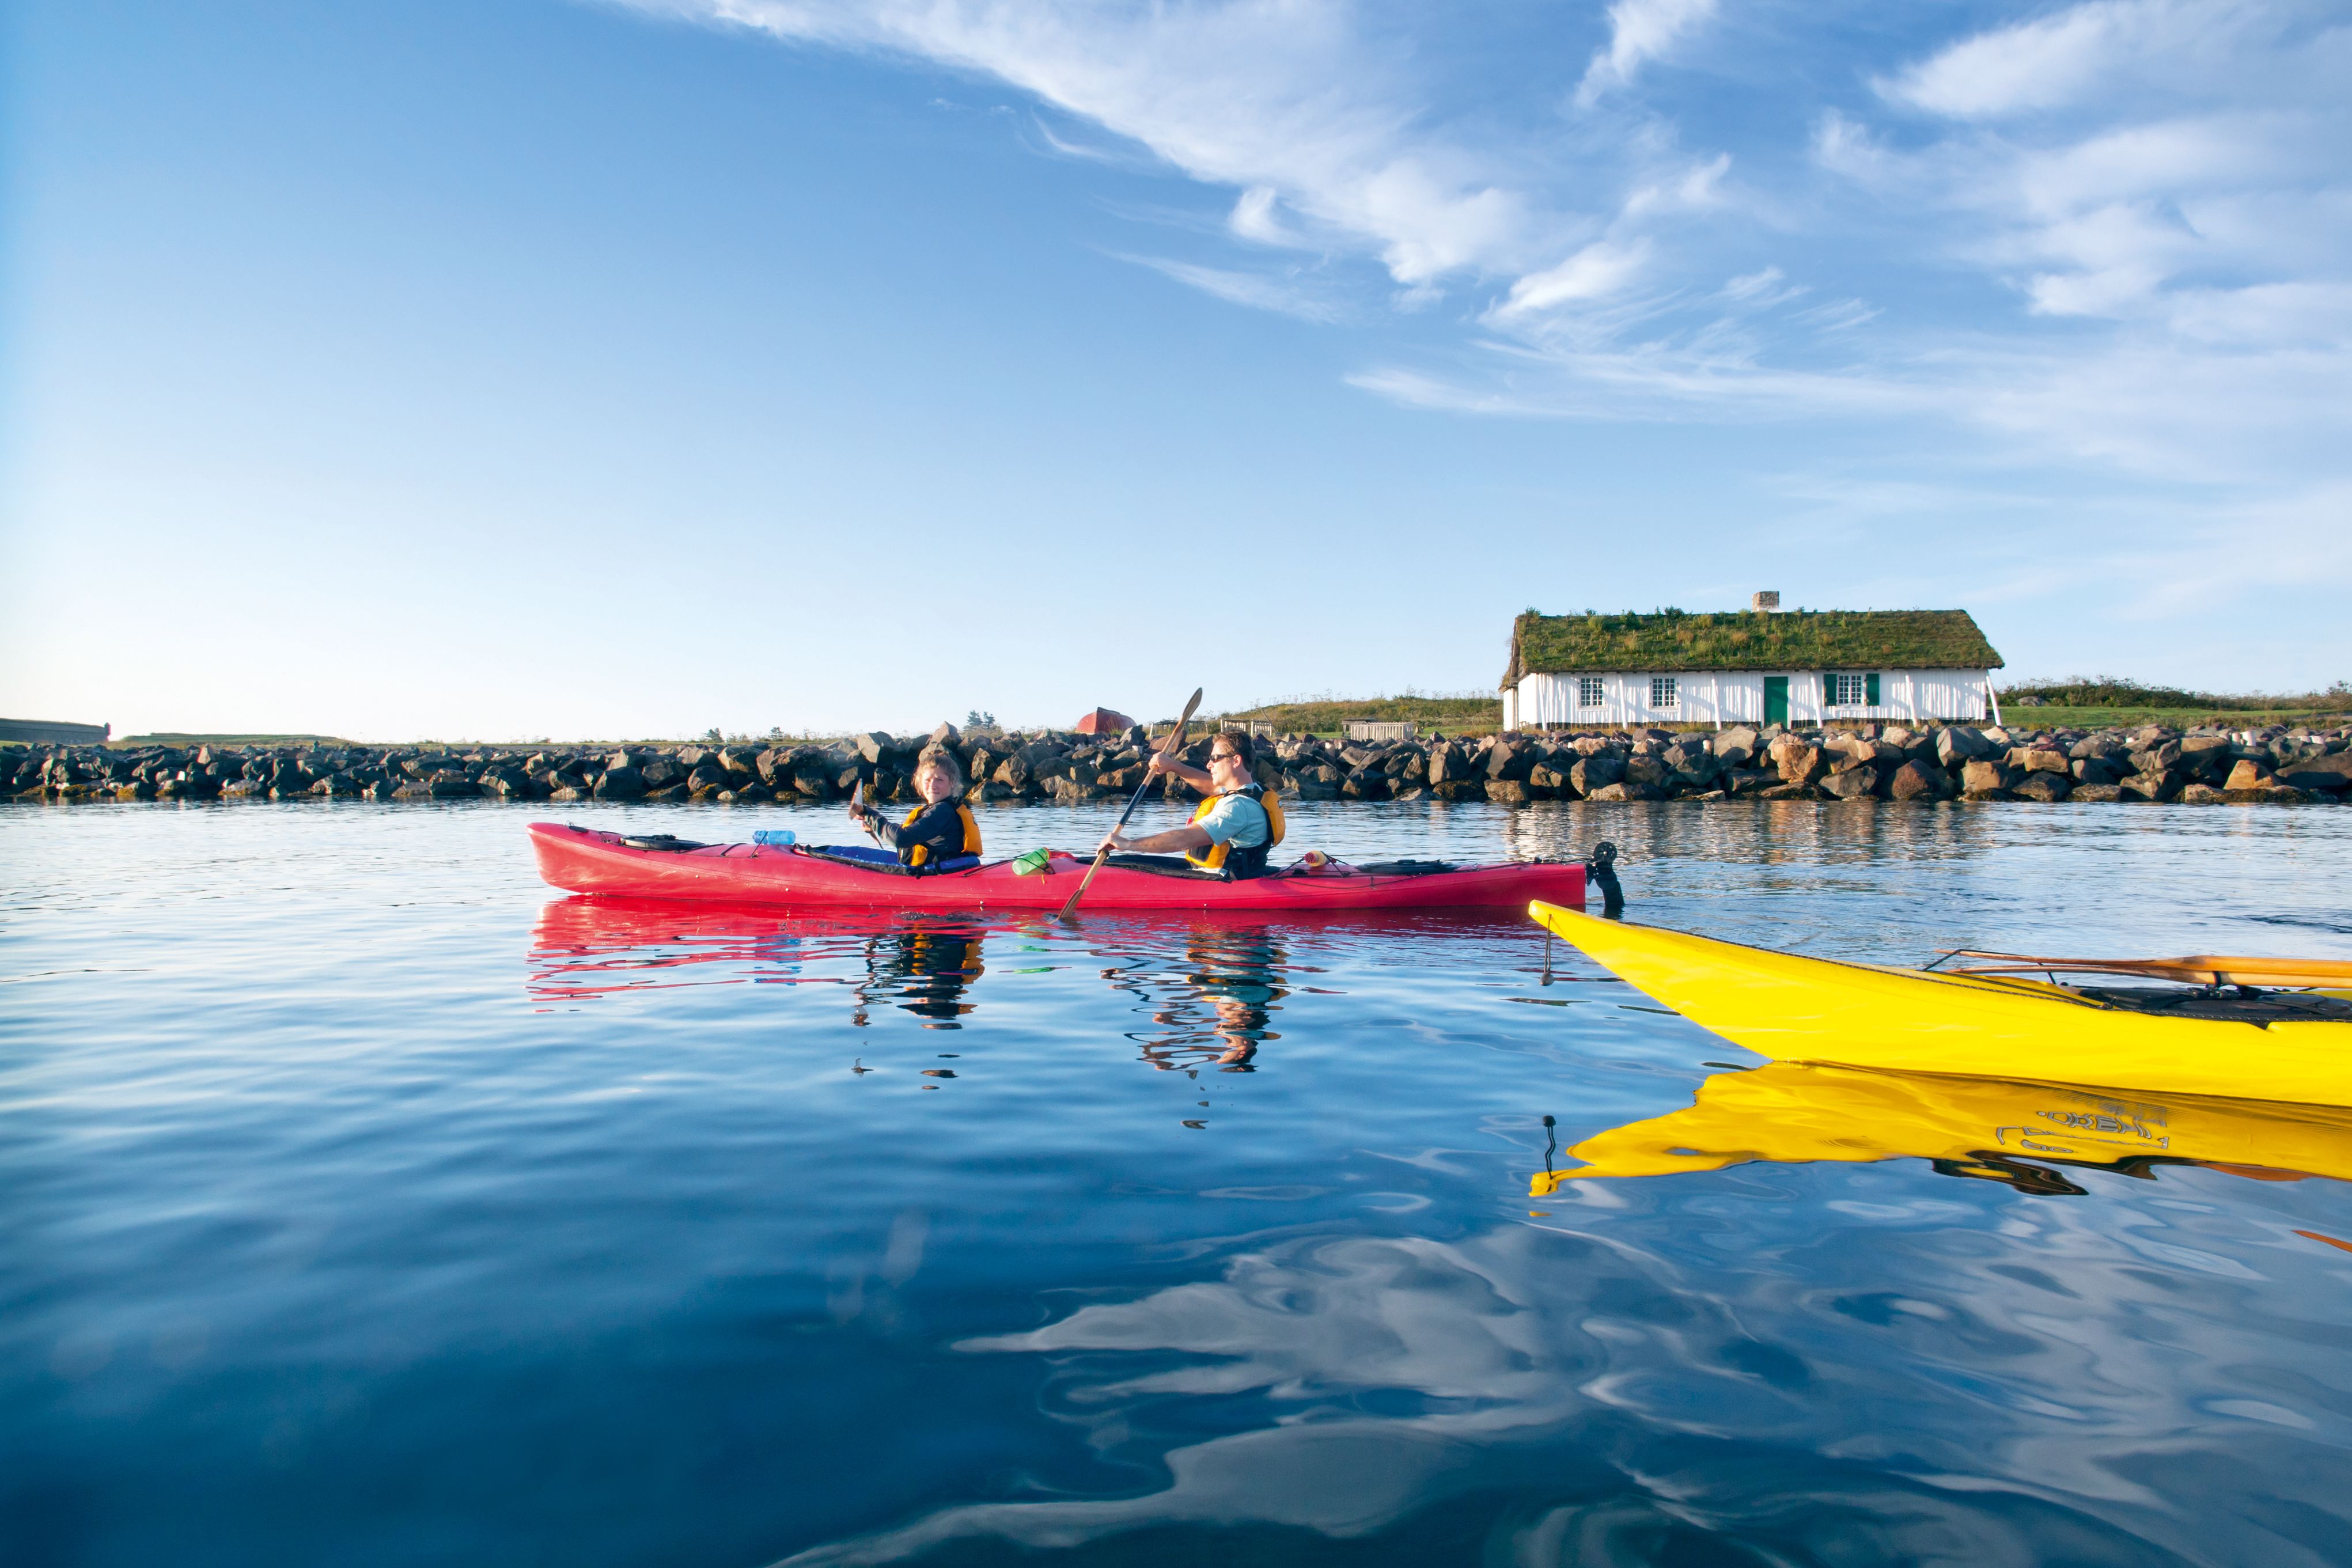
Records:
x=1167, y=748
x=857, y=808
x=2196, y=969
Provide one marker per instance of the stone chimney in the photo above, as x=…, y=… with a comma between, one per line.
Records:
x=1765, y=601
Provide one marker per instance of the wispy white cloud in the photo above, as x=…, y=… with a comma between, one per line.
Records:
x=2070, y=56
x=1640, y=31
x=1282, y=95
x=1595, y=272
x=1256, y=290
x=2145, y=203
x=2029, y=65
x=1257, y=216
x=1768, y=284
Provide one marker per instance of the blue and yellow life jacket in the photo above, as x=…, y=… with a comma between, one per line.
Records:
x=917, y=856
x=1232, y=859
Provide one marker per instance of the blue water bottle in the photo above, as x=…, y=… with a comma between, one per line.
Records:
x=772, y=837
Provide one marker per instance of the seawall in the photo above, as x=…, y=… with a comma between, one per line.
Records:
x=2284, y=766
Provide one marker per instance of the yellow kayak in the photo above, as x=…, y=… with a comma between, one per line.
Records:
x=2020, y=1133
x=2293, y=1045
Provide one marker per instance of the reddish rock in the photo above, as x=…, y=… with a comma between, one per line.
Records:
x=2248, y=774
x=1916, y=781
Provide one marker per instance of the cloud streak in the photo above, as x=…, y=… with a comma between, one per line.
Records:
x=2115, y=234
x=1640, y=31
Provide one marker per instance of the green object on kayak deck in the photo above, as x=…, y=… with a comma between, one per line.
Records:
x=1031, y=863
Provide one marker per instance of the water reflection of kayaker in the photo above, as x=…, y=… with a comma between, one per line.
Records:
x=940, y=830
x=1234, y=827
x=930, y=966
x=1236, y=971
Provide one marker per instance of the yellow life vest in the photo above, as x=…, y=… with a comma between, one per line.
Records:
x=918, y=855
x=1250, y=862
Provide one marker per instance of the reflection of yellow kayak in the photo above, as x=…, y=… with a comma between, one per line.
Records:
x=1979, y=1127
x=2282, y=1047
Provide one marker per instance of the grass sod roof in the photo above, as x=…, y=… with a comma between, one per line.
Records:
x=1667, y=641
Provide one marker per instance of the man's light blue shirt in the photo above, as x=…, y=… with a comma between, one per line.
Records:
x=1236, y=820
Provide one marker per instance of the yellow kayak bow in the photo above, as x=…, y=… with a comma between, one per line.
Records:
x=1799, y=1009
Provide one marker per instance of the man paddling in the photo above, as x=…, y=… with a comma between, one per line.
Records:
x=1233, y=830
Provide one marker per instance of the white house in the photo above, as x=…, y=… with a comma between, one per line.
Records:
x=1761, y=667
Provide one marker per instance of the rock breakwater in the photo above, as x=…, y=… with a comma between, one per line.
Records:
x=2298, y=765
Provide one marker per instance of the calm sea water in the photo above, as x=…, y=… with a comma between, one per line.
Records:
x=368, y=1202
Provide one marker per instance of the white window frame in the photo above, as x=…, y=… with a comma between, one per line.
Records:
x=1591, y=691
x=1849, y=690
x=1664, y=693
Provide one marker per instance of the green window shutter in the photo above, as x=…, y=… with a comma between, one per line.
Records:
x=1829, y=691
x=1872, y=682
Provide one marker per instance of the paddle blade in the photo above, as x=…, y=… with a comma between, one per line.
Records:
x=1071, y=909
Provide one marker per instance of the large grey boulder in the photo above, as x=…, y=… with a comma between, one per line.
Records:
x=1511, y=761
x=1593, y=773
x=2329, y=770
x=2208, y=758
x=1857, y=783
x=2042, y=786
x=1648, y=770
x=1957, y=743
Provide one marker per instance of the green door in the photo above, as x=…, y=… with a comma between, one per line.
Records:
x=1775, y=699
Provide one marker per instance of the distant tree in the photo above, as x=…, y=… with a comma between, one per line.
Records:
x=775, y=732
x=712, y=735
x=977, y=717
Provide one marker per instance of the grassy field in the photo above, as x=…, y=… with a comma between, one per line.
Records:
x=1327, y=715
x=2057, y=717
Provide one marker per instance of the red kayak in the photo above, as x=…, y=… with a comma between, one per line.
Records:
x=584, y=860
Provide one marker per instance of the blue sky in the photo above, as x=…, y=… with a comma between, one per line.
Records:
x=534, y=367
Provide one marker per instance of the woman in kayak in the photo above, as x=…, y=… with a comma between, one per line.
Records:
x=1233, y=829
x=940, y=829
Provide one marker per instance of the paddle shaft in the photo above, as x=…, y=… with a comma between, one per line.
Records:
x=857, y=804
x=2196, y=969
x=1167, y=748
